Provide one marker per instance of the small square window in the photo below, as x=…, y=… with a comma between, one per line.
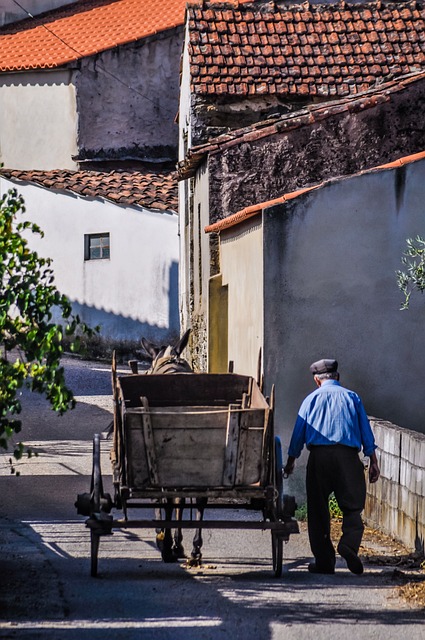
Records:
x=96, y=246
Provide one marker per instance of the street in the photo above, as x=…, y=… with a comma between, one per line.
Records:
x=46, y=591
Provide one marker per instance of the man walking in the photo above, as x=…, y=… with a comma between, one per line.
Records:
x=333, y=424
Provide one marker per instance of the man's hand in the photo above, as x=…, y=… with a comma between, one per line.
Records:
x=289, y=467
x=374, y=471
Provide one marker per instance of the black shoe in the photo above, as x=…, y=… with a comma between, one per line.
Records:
x=313, y=568
x=351, y=558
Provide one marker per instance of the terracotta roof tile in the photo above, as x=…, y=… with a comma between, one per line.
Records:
x=303, y=46
x=83, y=29
x=152, y=190
x=255, y=209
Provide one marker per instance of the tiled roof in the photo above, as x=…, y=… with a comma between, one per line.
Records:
x=305, y=50
x=83, y=29
x=302, y=117
x=152, y=190
x=255, y=209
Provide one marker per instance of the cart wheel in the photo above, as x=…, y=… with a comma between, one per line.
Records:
x=278, y=472
x=96, y=488
x=96, y=492
x=94, y=552
x=277, y=552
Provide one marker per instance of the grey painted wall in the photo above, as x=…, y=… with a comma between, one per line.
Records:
x=330, y=291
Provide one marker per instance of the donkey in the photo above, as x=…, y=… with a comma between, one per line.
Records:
x=167, y=360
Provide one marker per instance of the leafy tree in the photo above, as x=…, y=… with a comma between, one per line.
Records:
x=31, y=343
x=413, y=279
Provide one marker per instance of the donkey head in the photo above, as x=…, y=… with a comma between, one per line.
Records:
x=166, y=358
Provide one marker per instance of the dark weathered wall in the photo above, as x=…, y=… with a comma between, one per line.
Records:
x=127, y=100
x=10, y=11
x=339, y=145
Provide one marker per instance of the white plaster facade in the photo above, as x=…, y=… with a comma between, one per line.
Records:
x=185, y=142
x=38, y=120
x=132, y=294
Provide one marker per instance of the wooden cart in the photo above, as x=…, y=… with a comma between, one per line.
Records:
x=191, y=436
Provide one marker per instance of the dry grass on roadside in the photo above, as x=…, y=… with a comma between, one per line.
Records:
x=379, y=549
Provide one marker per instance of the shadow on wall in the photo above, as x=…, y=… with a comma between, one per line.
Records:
x=119, y=327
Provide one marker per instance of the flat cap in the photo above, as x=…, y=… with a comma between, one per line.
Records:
x=326, y=365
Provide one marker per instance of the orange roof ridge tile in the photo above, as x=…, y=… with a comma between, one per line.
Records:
x=255, y=209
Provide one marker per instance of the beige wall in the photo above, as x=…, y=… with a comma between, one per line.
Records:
x=242, y=272
x=38, y=127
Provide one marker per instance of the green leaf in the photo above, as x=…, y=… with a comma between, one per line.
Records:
x=28, y=298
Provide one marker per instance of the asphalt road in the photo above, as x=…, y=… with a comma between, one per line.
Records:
x=46, y=591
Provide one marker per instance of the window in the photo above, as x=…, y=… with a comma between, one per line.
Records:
x=96, y=246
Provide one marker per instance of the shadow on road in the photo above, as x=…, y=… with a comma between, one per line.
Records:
x=46, y=593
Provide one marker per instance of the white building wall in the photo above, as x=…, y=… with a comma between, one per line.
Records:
x=243, y=274
x=185, y=129
x=184, y=188
x=136, y=289
x=38, y=122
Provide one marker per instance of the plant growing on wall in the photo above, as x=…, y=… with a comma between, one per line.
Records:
x=31, y=343
x=413, y=278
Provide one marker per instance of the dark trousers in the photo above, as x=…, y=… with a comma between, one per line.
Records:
x=338, y=469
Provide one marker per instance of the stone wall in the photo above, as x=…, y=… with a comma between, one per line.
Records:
x=395, y=504
x=338, y=145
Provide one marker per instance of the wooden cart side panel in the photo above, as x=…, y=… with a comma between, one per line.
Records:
x=232, y=445
x=242, y=449
x=150, y=449
x=184, y=389
x=257, y=398
x=190, y=448
x=137, y=469
x=251, y=460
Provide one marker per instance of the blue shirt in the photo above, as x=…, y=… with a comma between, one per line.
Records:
x=332, y=415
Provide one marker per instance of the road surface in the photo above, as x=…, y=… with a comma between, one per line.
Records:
x=46, y=591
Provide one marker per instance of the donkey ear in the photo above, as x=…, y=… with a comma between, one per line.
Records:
x=150, y=349
x=182, y=343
